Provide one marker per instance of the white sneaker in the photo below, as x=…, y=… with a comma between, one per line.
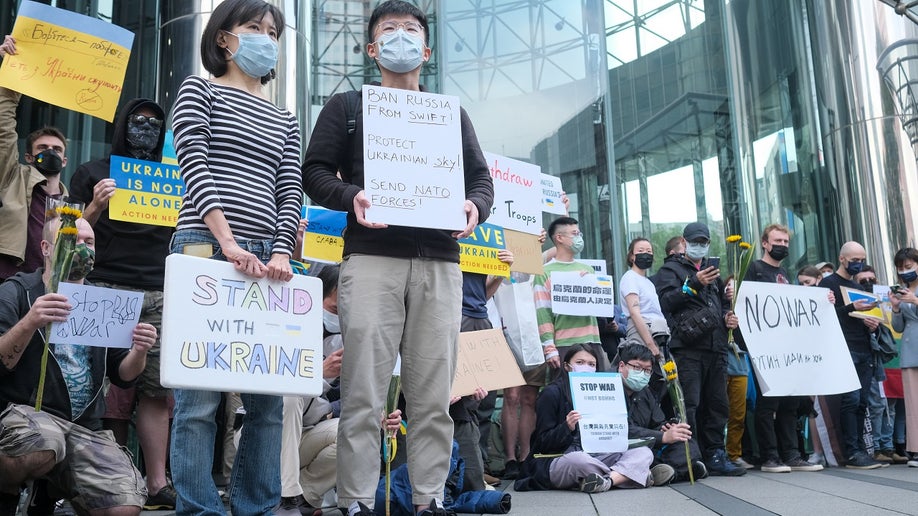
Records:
x=912, y=463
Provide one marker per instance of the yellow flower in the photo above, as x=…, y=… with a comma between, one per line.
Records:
x=732, y=239
x=745, y=245
x=68, y=211
x=68, y=231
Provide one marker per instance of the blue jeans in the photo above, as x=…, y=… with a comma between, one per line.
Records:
x=881, y=419
x=255, y=486
x=854, y=405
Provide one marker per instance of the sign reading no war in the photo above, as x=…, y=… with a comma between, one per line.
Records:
x=223, y=331
x=794, y=340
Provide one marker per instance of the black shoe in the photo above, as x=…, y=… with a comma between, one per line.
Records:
x=720, y=466
x=862, y=461
x=8, y=504
x=163, y=500
x=699, y=470
x=436, y=509
x=511, y=470
x=296, y=505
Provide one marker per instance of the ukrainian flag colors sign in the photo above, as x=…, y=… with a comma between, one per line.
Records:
x=146, y=191
x=478, y=251
x=68, y=59
x=322, y=241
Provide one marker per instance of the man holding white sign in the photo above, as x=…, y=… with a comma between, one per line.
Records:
x=62, y=443
x=400, y=287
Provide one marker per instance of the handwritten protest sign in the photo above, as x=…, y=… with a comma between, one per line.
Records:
x=478, y=252
x=146, y=191
x=527, y=251
x=412, y=158
x=484, y=360
x=550, y=187
x=590, y=294
x=323, y=240
x=223, y=331
x=598, y=265
x=794, y=340
x=600, y=400
x=516, y=194
x=67, y=59
x=103, y=317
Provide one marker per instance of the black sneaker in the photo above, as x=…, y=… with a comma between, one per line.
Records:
x=718, y=465
x=775, y=466
x=862, y=461
x=163, y=500
x=511, y=470
x=798, y=464
x=699, y=470
x=296, y=506
x=436, y=509
x=357, y=509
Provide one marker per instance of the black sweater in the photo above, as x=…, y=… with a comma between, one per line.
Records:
x=857, y=335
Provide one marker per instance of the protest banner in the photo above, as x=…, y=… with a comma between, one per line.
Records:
x=323, y=240
x=516, y=194
x=576, y=294
x=103, y=317
x=485, y=361
x=795, y=341
x=478, y=251
x=551, y=190
x=850, y=295
x=68, y=59
x=413, y=170
x=146, y=191
x=223, y=331
x=598, y=265
x=600, y=400
x=527, y=251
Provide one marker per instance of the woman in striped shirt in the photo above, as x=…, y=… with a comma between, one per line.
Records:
x=239, y=156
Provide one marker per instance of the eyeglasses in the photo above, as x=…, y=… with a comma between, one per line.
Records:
x=388, y=27
x=572, y=234
x=637, y=368
x=141, y=119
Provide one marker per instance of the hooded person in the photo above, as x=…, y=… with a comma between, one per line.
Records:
x=132, y=256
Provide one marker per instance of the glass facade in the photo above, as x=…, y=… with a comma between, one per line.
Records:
x=654, y=113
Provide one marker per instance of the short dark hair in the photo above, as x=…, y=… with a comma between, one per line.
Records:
x=44, y=131
x=329, y=276
x=631, y=248
x=226, y=16
x=397, y=8
x=907, y=253
x=560, y=221
x=868, y=268
x=576, y=348
x=629, y=352
x=672, y=244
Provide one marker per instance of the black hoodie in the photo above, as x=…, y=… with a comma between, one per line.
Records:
x=127, y=253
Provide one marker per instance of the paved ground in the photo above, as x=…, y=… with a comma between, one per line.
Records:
x=832, y=492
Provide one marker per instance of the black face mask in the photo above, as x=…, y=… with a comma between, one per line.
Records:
x=48, y=162
x=142, y=140
x=778, y=252
x=643, y=260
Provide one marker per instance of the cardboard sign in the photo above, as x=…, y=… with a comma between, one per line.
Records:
x=413, y=171
x=323, y=240
x=223, y=331
x=485, y=361
x=478, y=252
x=516, y=194
x=146, y=191
x=103, y=317
x=600, y=400
x=850, y=295
x=551, y=190
x=794, y=339
x=576, y=294
x=527, y=251
x=68, y=59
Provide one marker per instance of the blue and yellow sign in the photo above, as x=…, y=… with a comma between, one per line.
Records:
x=68, y=59
x=147, y=192
x=322, y=240
x=478, y=252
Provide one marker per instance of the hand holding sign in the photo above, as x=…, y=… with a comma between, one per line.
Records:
x=8, y=47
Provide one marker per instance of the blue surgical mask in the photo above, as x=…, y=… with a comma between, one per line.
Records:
x=256, y=55
x=696, y=251
x=853, y=268
x=577, y=244
x=908, y=277
x=637, y=380
x=399, y=51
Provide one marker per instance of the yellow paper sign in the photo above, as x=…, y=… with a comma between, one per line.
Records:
x=478, y=252
x=68, y=59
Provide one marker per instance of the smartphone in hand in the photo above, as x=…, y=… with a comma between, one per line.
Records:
x=714, y=261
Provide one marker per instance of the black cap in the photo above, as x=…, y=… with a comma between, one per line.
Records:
x=696, y=230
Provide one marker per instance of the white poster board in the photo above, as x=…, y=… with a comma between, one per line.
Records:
x=103, y=317
x=576, y=294
x=223, y=331
x=600, y=400
x=413, y=172
x=794, y=339
x=551, y=194
x=516, y=194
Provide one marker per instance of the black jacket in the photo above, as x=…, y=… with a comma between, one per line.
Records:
x=127, y=253
x=327, y=154
x=551, y=437
x=19, y=385
x=645, y=418
x=676, y=303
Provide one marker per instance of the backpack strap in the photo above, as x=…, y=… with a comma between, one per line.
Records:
x=353, y=100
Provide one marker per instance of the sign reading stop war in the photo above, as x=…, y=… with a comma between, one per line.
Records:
x=68, y=59
x=794, y=340
x=413, y=174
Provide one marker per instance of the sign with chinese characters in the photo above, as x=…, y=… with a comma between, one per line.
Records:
x=600, y=400
x=573, y=293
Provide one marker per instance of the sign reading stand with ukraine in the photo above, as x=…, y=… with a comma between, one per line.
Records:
x=146, y=191
x=68, y=59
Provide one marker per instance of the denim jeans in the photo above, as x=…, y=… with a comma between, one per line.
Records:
x=255, y=481
x=881, y=419
x=854, y=405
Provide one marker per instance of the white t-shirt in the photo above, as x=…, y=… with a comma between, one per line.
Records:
x=634, y=283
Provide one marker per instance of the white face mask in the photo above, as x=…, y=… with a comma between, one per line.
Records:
x=582, y=368
x=400, y=52
x=826, y=274
x=330, y=321
x=696, y=251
